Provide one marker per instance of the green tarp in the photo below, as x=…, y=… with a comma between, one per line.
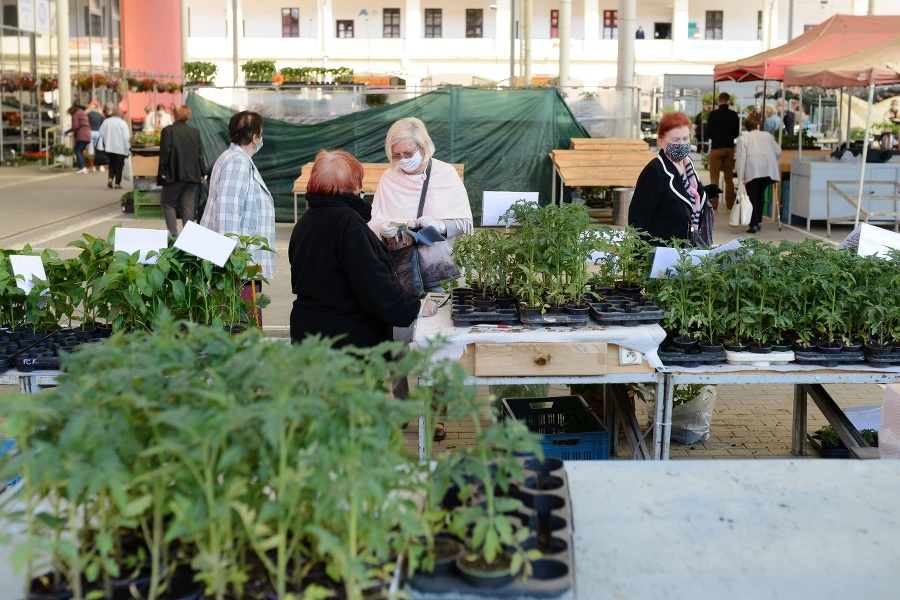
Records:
x=502, y=136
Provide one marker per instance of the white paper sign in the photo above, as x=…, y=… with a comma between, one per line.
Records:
x=870, y=239
x=205, y=243
x=665, y=260
x=497, y=203
x=29, y=267
x=132, y=240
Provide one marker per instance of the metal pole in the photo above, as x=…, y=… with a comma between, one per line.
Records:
x=235, y=32
x=865, y=151
x=565, y=42
x=63, y=59
x=512, y=43
x=527, y=12
x=625, y=71
x=790, y=20
x=185, y=30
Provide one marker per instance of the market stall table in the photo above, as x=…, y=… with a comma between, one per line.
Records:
x=808, y=381
x=735, y=529
x=555, y=355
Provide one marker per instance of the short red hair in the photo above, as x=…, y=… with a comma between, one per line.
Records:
x=672, y=120
x=335, y=172
x=181, y=112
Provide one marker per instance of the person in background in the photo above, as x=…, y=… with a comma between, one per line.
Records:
x=163, y=119
x=891, y=117
x=669, y=201
x=115, y=138
x=722, y=128
x=787, y=116
x=81, y=130
x=639, y=34
x=773, y=121
x=95, y=118
x=341, y=272
x=410, y=151
x=181, y=169
x=239, y=201
x=700, y=129
x=757, y=166
x=149, y=119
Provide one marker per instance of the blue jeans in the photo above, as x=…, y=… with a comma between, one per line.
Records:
x=79, y=153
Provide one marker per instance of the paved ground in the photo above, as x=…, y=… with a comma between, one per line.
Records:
x=48, y=209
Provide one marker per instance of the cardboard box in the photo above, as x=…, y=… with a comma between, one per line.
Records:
x=144, y=166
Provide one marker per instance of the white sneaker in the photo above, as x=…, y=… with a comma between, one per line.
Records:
x=81, y=171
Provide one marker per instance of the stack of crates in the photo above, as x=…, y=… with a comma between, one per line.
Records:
x=146, y=204
x=571, y=431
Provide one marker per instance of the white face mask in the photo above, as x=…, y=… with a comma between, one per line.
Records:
x=412, y=163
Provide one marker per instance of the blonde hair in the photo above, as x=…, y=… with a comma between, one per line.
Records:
x=770, y=110
x=412, y=129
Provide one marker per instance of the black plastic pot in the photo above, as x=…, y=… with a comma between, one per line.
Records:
x=684, y=344
x=477, y=573
x=707, y=346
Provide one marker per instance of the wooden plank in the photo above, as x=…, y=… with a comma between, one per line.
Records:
x=372, y=173
x=604, y=160
x=604, y=182
x=536, y=359
x=606, y=143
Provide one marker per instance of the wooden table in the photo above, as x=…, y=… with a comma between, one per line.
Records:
x=599, y=162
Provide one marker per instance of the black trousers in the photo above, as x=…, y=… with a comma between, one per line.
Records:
x=756, y=189
x=180, y=195
x=116, y=164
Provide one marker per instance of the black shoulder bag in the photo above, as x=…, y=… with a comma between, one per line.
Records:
x=405, y=252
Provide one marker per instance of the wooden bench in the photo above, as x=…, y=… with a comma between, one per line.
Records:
x=372, y=173
x=600, y=162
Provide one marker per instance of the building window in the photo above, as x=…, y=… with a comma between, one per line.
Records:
x=433, y=25
x=290, y=22
x=474, y=21
x=610, y=24
x=554, y=24
x=714, y=25
x=391, y=22
x=345, y=29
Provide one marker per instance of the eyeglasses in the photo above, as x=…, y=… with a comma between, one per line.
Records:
x=407, y=154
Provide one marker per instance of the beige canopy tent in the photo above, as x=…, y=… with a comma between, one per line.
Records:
x=878, y=65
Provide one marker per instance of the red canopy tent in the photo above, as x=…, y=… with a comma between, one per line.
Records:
x=841, y=35
x=877, y=65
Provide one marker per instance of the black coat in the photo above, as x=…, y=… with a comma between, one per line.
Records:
x=661, y=206
x=722, y=127
x=180, y=155
x=343, y=276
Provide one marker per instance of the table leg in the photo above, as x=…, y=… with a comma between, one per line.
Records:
x=28, y=385
x=634, y=434
x=421, y=435
x=611, y=418
x=799, y=445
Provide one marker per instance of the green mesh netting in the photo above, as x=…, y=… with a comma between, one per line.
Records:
x=502, y=136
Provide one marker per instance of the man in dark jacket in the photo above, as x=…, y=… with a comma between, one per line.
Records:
x=341, y=271
x=722, y=127
x=181, y=169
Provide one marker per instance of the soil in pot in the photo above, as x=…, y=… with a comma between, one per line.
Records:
x=757, y=347
x=877, y=350
x=447, y=549
x=853, y=346
x=477, y=572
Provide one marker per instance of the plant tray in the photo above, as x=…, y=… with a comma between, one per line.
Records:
x=553, y=319
x=465, y=315
x=841, y=452
x=547, y=513
x=648, y=314
x=680, y=359
x=826, y=359
x=883, y=362
x=14, y=345
x=148, y=212
x=147, y=197
x=571, y=431
x=756, y=359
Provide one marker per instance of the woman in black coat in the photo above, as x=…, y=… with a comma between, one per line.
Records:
x=341, y=272
x=669, y=200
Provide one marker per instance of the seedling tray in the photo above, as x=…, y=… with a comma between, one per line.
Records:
x=571, y=431
x=647, y=314
x=827, y=359
x=697, y=359
x=883, y=362
x=465, y=315
x=547, y=512
x=553, y=319
x=15, y=344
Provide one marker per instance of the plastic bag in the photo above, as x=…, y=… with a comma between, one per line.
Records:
x=126, y=170
x=742, y=211
x=690, y=421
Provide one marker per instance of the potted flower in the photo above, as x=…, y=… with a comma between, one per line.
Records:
x=60, y=153
x=199, y=72
x=258, y=71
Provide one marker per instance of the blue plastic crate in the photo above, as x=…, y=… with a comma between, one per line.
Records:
x=571, y=431
x=6, y=445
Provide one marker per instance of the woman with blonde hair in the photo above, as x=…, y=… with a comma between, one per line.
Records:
x=341, y=272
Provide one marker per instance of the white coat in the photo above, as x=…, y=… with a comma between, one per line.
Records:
x=757, y=155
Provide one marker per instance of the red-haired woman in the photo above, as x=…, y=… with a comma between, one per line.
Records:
x=341, y=272
x=669, y=200
x=181, y=169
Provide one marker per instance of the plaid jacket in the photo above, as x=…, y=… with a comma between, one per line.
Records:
x=239, y=202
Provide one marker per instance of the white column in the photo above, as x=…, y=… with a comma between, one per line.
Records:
x=501, y=38
x=63, y=58
x=592, y=21
x=773, y=23
x=527, y=21
x=235, y=16
x=565, y=42
x=625, y=73
x=679, y=24
x=326, y=28
x=185, y=29
x=414, y=20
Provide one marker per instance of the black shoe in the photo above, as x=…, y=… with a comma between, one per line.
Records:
x=109, y=183
x=440, y=433
x=753, y=229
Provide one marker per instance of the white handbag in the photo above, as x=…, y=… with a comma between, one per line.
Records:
x=742, y=211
